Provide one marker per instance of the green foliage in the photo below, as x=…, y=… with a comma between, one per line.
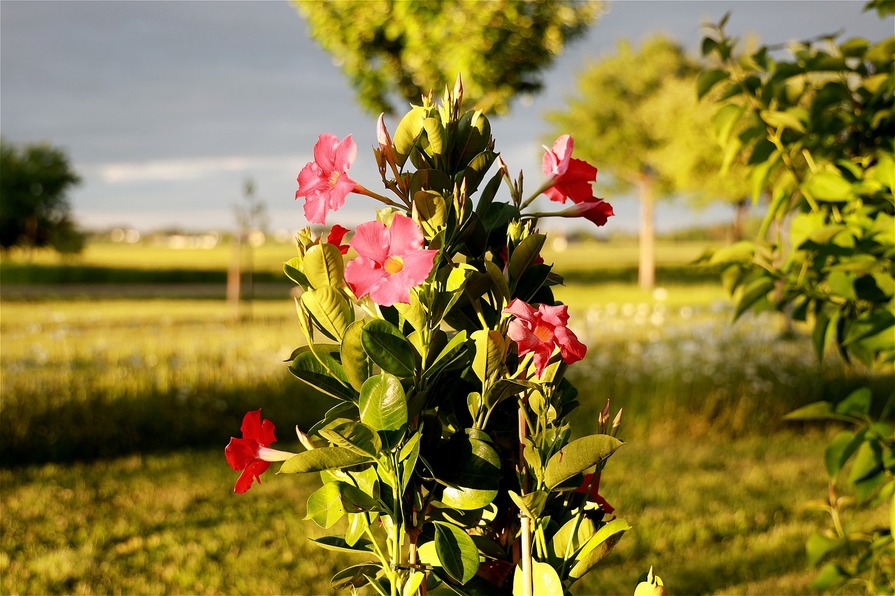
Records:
x=642, y=100
x=34, y=207
x=388, y=47
x=816, y=127
x=424, y=455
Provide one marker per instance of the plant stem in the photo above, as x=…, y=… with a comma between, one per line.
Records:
x=526, y=523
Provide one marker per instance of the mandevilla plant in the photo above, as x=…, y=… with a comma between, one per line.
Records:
x=449, y=454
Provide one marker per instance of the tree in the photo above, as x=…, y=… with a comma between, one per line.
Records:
x=34, y=208
x=637, y=117
x=816, y=125
x=409, y=48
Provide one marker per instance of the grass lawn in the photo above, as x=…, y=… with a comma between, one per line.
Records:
x=712, y=517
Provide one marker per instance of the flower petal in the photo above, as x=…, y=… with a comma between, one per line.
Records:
x=406, y=236
x=372, y=240
x=345, y=154
x=362, y=274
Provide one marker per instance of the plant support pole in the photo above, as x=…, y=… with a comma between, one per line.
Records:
x=523, y=519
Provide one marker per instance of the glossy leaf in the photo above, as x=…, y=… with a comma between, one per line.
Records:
x=544, y=580
x=383, y=403
x=323, y=458
x=322, y=372
x=355, y=362
x=578, y=456
x=456, y=551
x=354, y=436
x=329, y=309
x=355, y=576
x=472, y=467
x=338, y=544
x=388, y=348
x=490, y=351
x=325, y=505
x=598, y=546
x=524, y=255
x=323, y=265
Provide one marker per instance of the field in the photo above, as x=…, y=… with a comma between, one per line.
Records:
x=115, y=412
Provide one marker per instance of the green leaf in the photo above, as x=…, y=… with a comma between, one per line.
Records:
x=324, y=266
x=524, y=255
x=791, y=119
x=338, y=544
x=709, y=78
x=388, y=348
x=752, y=293
x=324, y=458
x=857, y=403
x=598, y=546
x=498, y=281
x=867, y=462
x=354, y=500
x=829, y=186
x=490, y=351
x=431, y=211
x=819, y=546
x=325, y=505
x=839, y=450
x=322, y=372
x=355, y=576
x=457, y=552
x=355, y=361
x=565, y=539
x=292, y=269
x=531, y=504
x=724, y=121
x=472, y=467
x=329, y=309
x=383, y=404
x=819, y=410
x=829, y=576
x=453, y=350
x=408, y=131
x=544, y=580
x=578, y=456
x=354, y=436
x=434, y=136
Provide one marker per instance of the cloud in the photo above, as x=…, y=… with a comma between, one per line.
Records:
x=174, y=170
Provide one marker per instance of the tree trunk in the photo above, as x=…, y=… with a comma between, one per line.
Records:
x=646, y=271
x=739, y=219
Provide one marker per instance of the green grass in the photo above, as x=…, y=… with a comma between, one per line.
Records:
x=711, y=517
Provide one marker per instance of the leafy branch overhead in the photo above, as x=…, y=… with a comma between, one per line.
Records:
x=408, y=48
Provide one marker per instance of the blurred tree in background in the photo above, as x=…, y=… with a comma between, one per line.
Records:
x=637, y=117
x=389, y=47
x=34, y=208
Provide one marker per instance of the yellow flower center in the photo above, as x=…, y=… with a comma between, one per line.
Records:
x=393, y=265
x=333, y=178
x=543, y=333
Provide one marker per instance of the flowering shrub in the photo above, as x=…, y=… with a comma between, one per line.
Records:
x=448, y=454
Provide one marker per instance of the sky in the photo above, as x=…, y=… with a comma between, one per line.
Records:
x=166, y=109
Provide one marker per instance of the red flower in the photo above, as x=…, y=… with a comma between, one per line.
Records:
x=324, y=182
x=571, y=177
x=335, y=238
x=540, y=331
x=594, y=494
x=251, y=454
x=598, y=211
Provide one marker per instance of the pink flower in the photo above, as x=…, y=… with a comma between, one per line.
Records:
x=571, y=177
x=390, y=260
x=597, y=211
x=335, y=238
x=541, y=331
x=251, y=454
x=324, y=182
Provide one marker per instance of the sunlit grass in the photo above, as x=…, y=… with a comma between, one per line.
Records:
x=712, y=516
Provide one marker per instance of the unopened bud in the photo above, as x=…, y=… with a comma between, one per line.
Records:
x=604, y=417
x=303, y=439
x=617, y=422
